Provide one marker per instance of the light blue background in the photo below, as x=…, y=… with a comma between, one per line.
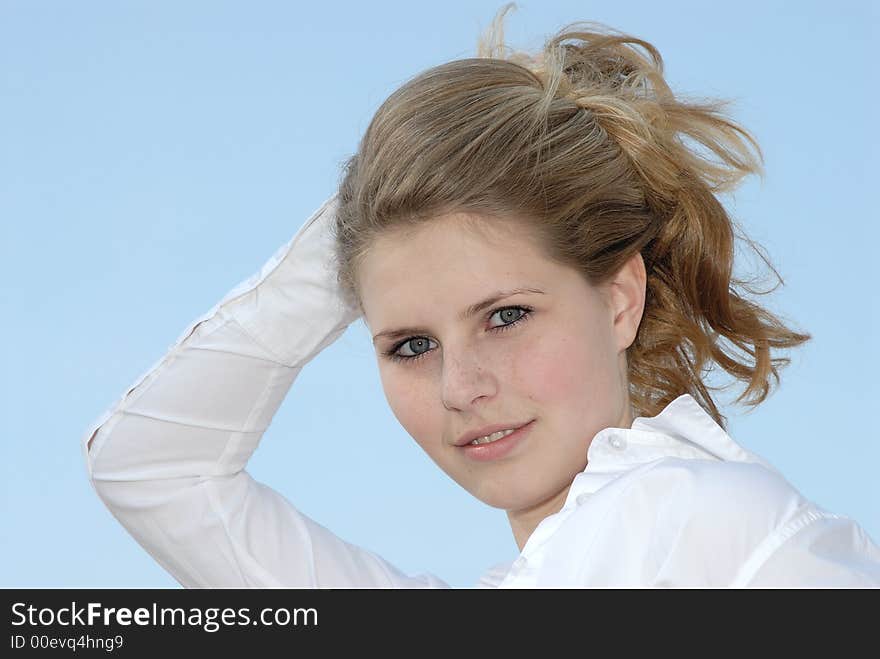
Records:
x=155, y=154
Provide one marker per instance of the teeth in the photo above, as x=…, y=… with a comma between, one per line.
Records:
x=493, y=437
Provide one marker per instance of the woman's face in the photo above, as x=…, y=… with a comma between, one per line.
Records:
x=552, y=355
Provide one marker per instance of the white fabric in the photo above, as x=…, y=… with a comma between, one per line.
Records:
x=672, y=501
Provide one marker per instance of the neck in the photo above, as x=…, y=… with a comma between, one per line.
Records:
x=524, y=522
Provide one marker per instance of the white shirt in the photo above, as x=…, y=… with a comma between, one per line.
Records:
x=672, y=501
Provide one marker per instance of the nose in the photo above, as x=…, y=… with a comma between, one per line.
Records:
x=465, y=380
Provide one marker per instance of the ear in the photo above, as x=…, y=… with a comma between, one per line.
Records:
x=626, y=299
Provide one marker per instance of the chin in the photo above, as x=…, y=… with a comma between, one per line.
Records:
x=505, y=500
x=498, y=503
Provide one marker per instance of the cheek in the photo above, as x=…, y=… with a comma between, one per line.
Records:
x=408, y=398
x=567, y=368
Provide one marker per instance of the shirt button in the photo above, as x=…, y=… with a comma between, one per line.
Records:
x=618, y=442
x=582, y=498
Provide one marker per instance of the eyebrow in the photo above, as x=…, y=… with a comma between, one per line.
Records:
x=471, y=311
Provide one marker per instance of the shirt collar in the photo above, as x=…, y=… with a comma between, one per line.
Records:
x=683, y=429
x=685, y=420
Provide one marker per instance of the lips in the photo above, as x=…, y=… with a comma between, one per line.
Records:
x=471, y=435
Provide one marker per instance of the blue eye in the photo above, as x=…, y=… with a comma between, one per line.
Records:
x=507, y=315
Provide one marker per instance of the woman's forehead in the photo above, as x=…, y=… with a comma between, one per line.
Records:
x=446, y=246
x=445, y=263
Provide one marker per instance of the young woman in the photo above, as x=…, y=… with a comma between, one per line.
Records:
x=545, y=270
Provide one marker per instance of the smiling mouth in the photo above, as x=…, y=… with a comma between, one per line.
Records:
x=493, y=436
x=497, y=449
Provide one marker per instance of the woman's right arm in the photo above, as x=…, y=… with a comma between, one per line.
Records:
x=168, y=459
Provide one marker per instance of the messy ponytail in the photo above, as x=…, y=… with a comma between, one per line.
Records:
x=588, y=143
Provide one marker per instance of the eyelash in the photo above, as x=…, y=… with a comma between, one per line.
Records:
x=391, y=354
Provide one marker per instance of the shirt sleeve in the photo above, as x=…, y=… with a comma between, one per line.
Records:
x=742, y=524
x=686, y=523
x=816, y=549
x=168, y=459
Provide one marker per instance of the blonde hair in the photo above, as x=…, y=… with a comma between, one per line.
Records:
x=584, y=141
